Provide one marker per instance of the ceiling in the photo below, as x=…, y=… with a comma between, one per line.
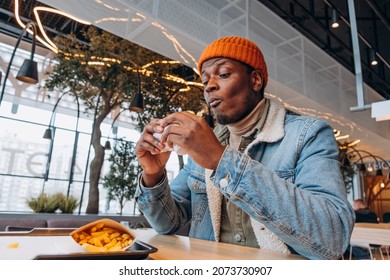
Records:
x=311, y=17
x=54, y=24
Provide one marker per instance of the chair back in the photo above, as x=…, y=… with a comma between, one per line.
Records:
x=386, y=217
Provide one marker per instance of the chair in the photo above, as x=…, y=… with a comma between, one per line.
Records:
x=364, y=235
x=371, y=248
x=386, y=217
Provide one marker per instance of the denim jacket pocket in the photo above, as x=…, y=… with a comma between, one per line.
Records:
x=199, y=196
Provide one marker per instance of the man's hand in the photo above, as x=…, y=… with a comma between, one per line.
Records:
x=148, y=151
x=193, y=135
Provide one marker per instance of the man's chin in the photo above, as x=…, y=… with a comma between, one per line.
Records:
x=225, y=119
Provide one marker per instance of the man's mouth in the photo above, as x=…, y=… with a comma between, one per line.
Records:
x=214, y=102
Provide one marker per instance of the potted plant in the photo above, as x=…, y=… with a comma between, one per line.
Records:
x=50, y=203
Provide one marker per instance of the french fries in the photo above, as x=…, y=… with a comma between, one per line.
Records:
x=102, y=238
x=13, y=245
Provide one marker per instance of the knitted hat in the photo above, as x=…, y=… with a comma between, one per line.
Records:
x=237, y=48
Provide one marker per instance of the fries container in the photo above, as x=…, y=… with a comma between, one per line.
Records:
x=107, y=223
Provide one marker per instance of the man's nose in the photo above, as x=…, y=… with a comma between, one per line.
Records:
x=211, y=85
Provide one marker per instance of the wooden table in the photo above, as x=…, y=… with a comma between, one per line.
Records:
x=176, y=247
x=57, y=242
x=370, y=233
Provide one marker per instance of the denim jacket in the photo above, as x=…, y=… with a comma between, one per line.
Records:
x=288, y=179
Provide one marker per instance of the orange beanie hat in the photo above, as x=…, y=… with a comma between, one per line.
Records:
x=237, y=48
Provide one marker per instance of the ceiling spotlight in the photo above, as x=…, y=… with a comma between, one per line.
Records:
x=335, y=19
x=373, y=59
x=137, y=103
x=48, y=134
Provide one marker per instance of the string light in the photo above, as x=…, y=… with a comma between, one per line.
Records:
x=341, y=137
x=101, y=61
x=354, y=143
x=48, y=43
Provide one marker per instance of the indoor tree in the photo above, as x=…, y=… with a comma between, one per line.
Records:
x=105, y=71
x=121, y=180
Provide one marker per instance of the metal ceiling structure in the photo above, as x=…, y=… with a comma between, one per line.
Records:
x=311, y=17
x=54, y=24
x=306, y=77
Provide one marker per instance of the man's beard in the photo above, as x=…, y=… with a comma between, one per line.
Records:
x=225, y=119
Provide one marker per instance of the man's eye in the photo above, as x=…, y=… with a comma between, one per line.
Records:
x=205, y=83
x=224, y=75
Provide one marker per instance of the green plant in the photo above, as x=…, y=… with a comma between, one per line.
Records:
x=69, y=204
x=50, y=203
x=45, y=203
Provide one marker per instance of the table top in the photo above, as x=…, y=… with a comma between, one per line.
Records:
x=373, y=225
x=169, y=247
x=371, y=233
x=176, y=247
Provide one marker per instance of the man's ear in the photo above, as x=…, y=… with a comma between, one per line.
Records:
x=256, y=80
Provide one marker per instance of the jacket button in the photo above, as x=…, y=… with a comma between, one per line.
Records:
x=223, y=183
x=238, y=237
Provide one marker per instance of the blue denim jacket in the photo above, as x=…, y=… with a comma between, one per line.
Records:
x=289, y=179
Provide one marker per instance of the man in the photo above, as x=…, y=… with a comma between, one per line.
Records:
x=265, y=178
x=363, y=213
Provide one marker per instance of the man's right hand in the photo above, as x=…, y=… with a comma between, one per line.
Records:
x=148, y=151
